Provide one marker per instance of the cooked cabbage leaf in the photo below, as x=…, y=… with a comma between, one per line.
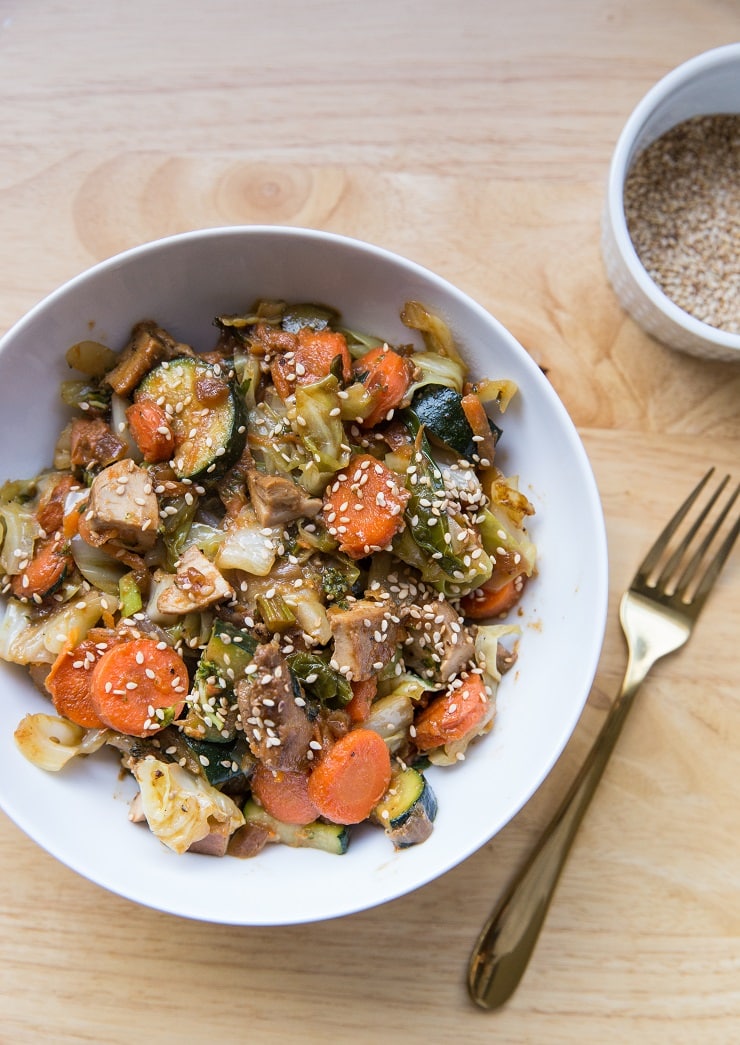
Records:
x=181, y=808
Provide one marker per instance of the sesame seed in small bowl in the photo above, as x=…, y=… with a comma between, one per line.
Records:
x=671, y=222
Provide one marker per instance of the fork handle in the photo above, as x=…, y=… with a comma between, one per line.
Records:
x=508, y=938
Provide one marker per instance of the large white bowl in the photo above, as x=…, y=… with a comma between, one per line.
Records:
x=80, y=814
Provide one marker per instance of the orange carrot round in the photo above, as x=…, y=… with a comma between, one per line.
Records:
x=387, y=380
x=69, y=683
x=138, y=686
x=485, y=601
x=284, y=795
x=311, y=359
x=352, y=777
x=363, y=507
x=151, y=430
x=452, y=715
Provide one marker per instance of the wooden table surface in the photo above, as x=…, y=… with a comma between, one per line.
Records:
x=473, y=137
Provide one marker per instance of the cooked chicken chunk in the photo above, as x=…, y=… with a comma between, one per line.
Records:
x=215, y=843
x=366, y=636
x=277, y=728
x=123, y=506
x=94, y=444
x=149, y=344
x=279, y=500
x=197, y=584
x=439, y=645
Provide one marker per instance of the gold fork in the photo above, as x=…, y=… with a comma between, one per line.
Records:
x=657, y=614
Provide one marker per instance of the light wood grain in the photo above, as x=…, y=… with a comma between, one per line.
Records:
x=475, y=138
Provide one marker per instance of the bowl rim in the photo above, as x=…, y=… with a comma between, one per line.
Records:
x=681, y=75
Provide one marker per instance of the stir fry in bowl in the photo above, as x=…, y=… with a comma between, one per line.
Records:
x=271, y=576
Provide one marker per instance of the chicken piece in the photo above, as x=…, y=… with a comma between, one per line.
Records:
x=439, y=644
x=366, y=636
x=149, y=345
x=277, y=499
x=123, y=506
x=273, y=715
x=215, y=843
x=94, y=444
x=197, y=584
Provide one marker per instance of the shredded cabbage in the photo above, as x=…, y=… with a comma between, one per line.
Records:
x=486, y=648
x=309, y=612
x=391, y=717
x=101, y=570
x=22, y=642
x=248, y=546
x=51, y=742
x=21, y=530
x=437, y=370
x=181, y=808
x=437, y=335
x=319, y=427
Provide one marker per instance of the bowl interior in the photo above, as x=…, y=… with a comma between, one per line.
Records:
x=80, y=814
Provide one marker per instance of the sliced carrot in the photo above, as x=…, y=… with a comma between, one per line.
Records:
x=50, y=514
x=363, y=507
x=44, y=573
x=284, y=795
x=387, y=379
x=352, y=777
x=363, y=694
x=477, y=418
x=485, y=601
x=452, y=715
x=71, y=522
x=70, y=680
x=310, y=360
x=151, y=430
x=138, y=686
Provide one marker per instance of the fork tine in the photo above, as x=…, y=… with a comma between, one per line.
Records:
x=673, y=562
x=689, y=572
x=707, y=581
x=652, y=557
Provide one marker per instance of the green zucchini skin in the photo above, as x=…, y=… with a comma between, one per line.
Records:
x=408, y=809
x=222, y=763
x=204, y=411
x=331, y=838
x=438, y=408
x=230, y=649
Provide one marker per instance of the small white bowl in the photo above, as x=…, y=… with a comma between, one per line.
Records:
x=706, y=84
x=80, y=814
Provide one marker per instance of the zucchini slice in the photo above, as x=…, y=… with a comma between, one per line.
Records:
x=221, y=763
x=331, y=838
x=204, y=412
x=408, y=808
x=230, y=649
x=438, y=408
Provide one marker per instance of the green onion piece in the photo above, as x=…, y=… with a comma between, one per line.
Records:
x=129, y=595
x=275, y=612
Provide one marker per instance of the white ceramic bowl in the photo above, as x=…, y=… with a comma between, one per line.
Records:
x=707, y=84
x=80, y=814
